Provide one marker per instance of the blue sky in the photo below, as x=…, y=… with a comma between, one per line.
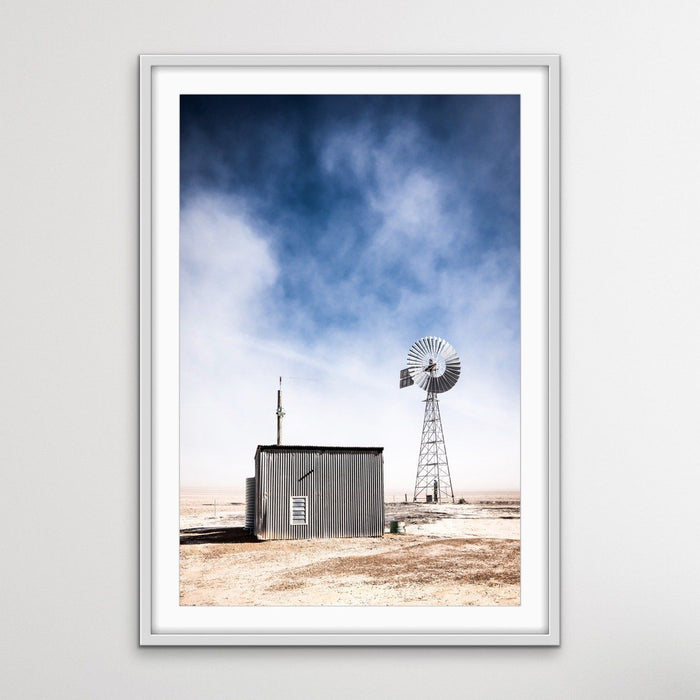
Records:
x=320, y=237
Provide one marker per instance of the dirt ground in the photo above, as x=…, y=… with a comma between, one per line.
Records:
x=451, y=554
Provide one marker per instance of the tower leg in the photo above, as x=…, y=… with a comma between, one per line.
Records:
x=433, y=472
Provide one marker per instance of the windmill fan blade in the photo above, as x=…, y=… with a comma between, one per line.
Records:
x=433, y=364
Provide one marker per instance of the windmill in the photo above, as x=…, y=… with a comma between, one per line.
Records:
x=434, y=366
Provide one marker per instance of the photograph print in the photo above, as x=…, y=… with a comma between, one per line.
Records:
x=350, y=350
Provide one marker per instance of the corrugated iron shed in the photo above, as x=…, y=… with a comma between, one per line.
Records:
x=307, y=491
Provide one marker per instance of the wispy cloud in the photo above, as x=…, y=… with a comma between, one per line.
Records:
x=378, y=238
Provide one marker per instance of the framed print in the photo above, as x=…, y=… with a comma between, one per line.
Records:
x=349, y=350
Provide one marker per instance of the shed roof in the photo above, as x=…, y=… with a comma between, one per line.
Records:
x=318, y=448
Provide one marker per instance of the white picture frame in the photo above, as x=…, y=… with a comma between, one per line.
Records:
x=162, y=79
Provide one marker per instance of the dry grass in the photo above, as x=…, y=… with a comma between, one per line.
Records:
x=460, y=561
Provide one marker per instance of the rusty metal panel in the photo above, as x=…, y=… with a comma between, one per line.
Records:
x=343, y=490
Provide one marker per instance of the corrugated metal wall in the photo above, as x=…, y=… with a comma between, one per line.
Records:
x=344, y=488
x=250, y=503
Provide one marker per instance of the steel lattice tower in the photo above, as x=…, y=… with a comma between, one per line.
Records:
x=433, y=474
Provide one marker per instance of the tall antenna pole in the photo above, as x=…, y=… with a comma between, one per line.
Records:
x=280, y=414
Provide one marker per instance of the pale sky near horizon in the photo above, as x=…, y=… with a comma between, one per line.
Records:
x=320, y=236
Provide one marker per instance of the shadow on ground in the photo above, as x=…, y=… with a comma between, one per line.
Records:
x=215, y=535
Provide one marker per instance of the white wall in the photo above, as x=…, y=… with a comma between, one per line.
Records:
x=631, y=347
